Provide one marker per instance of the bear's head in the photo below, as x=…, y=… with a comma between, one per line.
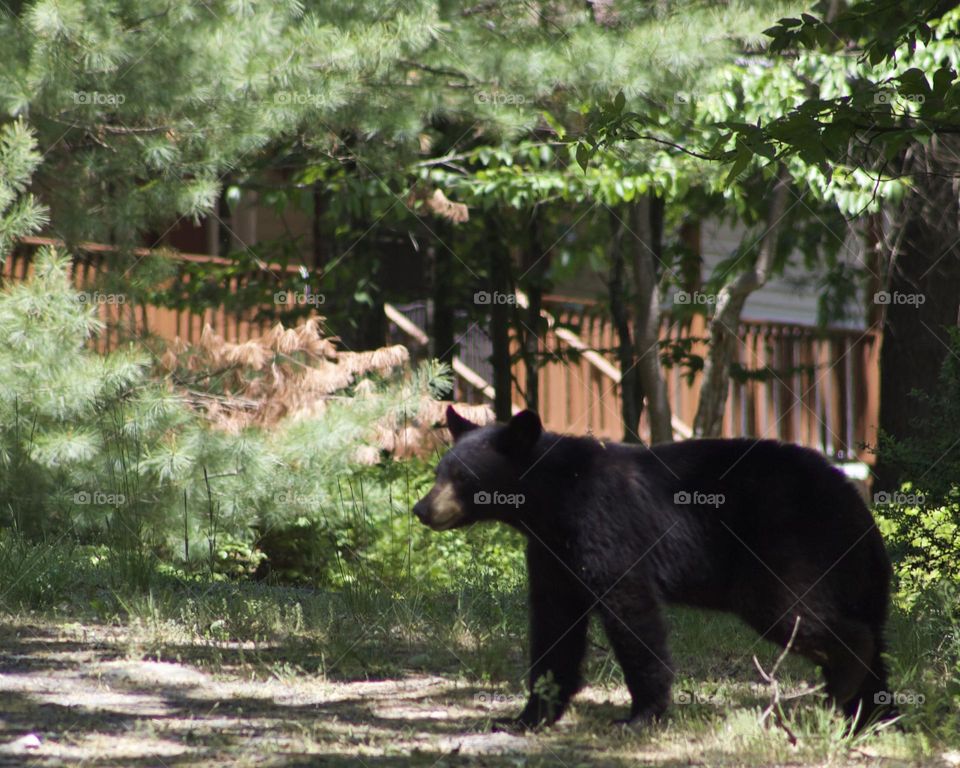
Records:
x=481, y=476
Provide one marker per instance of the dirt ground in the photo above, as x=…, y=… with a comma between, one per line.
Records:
x=76, y=695
x=104, y=696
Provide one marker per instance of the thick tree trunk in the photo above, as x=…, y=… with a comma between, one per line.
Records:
x=724, y=327
x=631, y=394
x=923, y=294
x=500, y=287
x=647, y=225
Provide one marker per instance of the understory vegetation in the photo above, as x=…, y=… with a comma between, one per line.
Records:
x=128, y=499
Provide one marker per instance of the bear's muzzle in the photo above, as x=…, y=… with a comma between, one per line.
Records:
x=440, y=509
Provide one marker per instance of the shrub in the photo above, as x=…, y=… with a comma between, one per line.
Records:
x=97, y=447
x=921, y=523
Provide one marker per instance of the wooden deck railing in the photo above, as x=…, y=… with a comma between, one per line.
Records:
x=124, y=320
x=811, y=386
x=805, y=385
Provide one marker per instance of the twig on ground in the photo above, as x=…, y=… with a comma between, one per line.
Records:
x=775, y=707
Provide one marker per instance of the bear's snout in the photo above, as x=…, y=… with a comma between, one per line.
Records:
x=440, y=509
x=422, y=510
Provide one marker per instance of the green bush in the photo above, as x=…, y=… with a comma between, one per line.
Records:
x=98, y=450
x=95, y=448
x=76, y=428
x=921, y=522
x=923, y=541
x=373, y=537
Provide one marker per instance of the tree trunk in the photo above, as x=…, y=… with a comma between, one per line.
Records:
x=444, y=348
x=321, y=248
x=647, y=225
x=212, y=230
x=371, y=320
x=631, y=394
x=724, y=327
x=500, y=289
x=923, y=294
x=535, y=264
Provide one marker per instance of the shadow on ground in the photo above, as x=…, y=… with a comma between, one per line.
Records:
x=78, y=697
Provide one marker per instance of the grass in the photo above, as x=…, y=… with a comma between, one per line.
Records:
x=447, y=662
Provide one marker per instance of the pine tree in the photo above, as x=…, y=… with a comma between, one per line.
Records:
x=144, y=109
x=237, y=441
x=20, y=213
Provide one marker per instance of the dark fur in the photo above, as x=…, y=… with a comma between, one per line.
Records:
x=792, y=538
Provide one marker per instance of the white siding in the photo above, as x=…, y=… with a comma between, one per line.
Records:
x=787, y=298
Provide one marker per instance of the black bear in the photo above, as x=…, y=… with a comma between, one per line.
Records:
x=765, y=530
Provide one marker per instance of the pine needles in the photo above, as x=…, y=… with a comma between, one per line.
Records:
x=203, y=459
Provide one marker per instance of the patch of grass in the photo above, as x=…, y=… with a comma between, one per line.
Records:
x=475, y=637
x=370, y=628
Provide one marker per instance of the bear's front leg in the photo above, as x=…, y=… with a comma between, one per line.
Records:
x=634, y=625
x=559, y=616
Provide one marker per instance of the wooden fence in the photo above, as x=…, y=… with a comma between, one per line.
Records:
x=811, y=386
x=818, y=388
x=124, y=320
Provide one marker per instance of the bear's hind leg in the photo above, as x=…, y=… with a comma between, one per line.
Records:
x=636, y=630
x=846, y=651
x=853, y=667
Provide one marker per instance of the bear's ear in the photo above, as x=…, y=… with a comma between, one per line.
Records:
x=458, y=425
x=521, y=433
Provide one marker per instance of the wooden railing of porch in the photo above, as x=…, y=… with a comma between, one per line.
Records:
x=822, y=387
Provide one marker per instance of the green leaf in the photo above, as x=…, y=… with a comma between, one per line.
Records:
x=583, y=156
x=743, y=158
x=942, y=80
x=914, y=81
x=555, y=125
x=619, y=102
